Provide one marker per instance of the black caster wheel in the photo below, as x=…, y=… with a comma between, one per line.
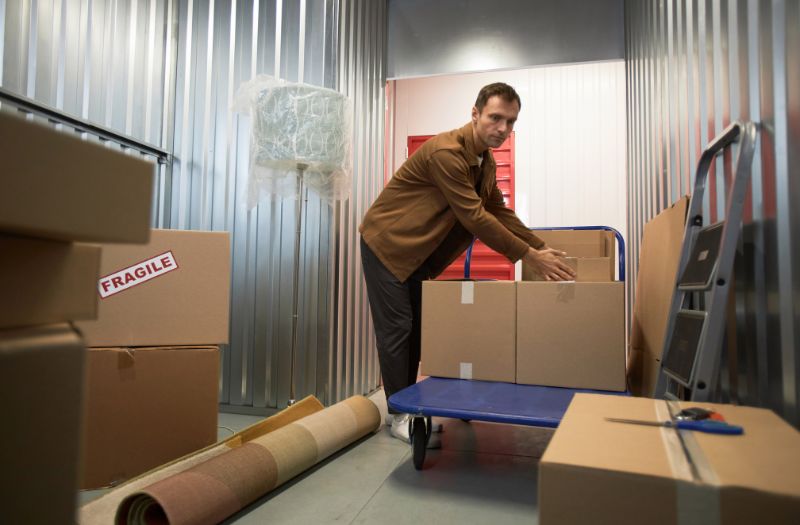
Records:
x=420, y=432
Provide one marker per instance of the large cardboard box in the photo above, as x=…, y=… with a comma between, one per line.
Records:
x=597, y=471
x=587, y=269
x=468, y=329
x=145, y=407
x=44, y=282
x=56, y=185
x=659, y=257
x=175, y=290
x=571, y=334
x=41, y=386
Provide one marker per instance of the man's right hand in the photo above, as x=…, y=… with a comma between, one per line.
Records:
x=549, y=263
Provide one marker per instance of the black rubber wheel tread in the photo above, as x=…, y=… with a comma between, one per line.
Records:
x=419, y=441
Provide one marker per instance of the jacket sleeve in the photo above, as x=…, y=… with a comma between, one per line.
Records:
x=451, y=174
x=496, y=206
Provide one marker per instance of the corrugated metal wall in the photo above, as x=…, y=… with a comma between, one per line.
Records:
x=166, y=72
x=106, y=62
x=692, y=68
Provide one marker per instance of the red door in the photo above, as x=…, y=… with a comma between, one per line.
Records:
x=485, y=262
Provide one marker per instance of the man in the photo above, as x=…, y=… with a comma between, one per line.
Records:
x=426, y=216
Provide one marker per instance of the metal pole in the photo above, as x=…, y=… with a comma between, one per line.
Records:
x=301, y=168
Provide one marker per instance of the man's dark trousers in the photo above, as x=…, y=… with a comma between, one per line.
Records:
x=396, y=314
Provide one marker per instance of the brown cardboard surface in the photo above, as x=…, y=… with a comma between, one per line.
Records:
x=620, y=473
x=41, y=385
x=571, y=334
x=479, y=334
x=186, y=306
x=57, y=186
x=587, y=269
x=658, y=266
x=642, y=371
x=43, y=282
x=579, y=243
x=146, y=407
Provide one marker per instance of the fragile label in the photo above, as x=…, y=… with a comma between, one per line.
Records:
x=137, y=274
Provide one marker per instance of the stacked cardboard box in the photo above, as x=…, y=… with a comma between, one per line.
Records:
x=591, y=253
x=153, y=363
x=565, y=334
x=56, y=189
x=599, y=471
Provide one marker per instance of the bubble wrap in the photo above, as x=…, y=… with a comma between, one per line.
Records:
x=292, y=125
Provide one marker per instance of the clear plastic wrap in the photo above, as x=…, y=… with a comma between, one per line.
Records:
x=294, y=126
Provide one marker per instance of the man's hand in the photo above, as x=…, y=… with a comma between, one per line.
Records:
x=549, y=263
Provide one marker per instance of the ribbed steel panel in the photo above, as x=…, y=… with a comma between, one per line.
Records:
x=692, y=68
x=339, y=45
x=106, y=62
x=165, y=72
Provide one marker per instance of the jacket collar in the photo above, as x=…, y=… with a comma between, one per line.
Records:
x=469, y=144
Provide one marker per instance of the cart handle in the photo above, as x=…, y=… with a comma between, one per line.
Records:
x=620, y=246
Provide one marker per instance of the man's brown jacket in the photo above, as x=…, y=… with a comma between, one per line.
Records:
x=436, y=202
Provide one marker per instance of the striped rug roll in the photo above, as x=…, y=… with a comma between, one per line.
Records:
x=213, y=490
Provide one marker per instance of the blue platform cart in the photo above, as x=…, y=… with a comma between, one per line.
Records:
x=495, y=402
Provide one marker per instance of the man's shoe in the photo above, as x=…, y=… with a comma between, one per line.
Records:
x=399, y=427
x=437, y=427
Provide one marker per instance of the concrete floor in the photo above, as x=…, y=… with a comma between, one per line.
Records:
x=484, y=473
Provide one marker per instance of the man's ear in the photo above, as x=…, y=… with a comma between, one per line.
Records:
x=475, y=114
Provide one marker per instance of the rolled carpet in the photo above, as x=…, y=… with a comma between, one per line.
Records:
x=213, y=490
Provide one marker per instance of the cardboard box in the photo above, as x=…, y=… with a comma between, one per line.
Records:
x=145, y=407
x=588, y=269
x=597, y=471
x=468, y=329
x=571, y=334
x=659, y=257
x=579, y=243
x=175, y=290
x=41, y=385
x=44, y=282
x=57, y=186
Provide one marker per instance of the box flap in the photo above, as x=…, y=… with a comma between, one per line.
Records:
x=658, y=265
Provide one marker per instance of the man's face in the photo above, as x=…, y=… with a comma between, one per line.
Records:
x=492, y=125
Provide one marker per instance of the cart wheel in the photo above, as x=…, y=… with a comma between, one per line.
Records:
x=419, y=441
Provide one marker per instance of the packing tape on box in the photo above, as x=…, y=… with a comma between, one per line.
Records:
x=467, y=292
x=565, y=291
x=211, y=490
x=697, y=485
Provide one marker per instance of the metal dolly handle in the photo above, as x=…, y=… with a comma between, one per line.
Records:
x=617, y=235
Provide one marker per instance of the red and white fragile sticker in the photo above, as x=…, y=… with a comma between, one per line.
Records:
x=137, y=274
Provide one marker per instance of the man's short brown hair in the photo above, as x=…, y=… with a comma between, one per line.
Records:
x=498, y=89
